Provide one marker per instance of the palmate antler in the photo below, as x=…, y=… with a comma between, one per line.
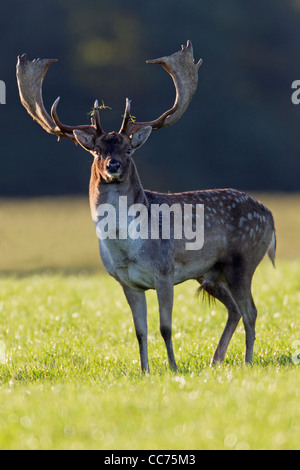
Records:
x=30, y=77
x=184, y=73
x=31, y=74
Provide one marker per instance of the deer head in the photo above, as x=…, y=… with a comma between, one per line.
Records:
x=112, y=151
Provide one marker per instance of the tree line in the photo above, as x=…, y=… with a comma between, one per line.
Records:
x=241, y=130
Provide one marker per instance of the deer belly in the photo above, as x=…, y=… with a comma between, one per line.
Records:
x=191, y=265
x=184, y=273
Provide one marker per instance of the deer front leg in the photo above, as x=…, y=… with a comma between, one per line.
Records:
x=138, y=305
x=164, y=289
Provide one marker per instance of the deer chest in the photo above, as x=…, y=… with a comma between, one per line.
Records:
x=122, y=259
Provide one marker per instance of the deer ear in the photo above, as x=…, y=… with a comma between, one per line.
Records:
x=140, y=136
x=86, y=140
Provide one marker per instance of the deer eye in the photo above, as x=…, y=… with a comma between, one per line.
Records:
x=129, y=151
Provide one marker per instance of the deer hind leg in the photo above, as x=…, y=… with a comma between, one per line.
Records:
x=249, y=323
x=218, y=288
x=239, y=280
x=249, y=313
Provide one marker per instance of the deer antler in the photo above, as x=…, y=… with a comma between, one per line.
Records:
x=31, y=74
x=30, y=77
x=184, y=73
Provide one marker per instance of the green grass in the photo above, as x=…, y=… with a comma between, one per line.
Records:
x=71, y=377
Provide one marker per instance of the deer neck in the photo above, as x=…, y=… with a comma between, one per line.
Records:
x=101, y=192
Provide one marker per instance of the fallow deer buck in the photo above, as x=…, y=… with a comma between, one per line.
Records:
x=238, y=230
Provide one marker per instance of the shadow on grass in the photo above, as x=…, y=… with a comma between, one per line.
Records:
x=53, y=271
x=199, y=365
x=281, y=360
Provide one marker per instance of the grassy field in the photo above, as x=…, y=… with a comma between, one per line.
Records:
x=69, y=372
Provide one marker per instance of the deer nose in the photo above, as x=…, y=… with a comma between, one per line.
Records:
x=113, y=166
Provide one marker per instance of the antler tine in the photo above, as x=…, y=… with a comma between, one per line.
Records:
x=96, y=117
x=126, y=118
x=67, y=131
x=30, y=77
x=184, y=73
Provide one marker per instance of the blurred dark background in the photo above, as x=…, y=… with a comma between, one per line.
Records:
x=241, y=129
